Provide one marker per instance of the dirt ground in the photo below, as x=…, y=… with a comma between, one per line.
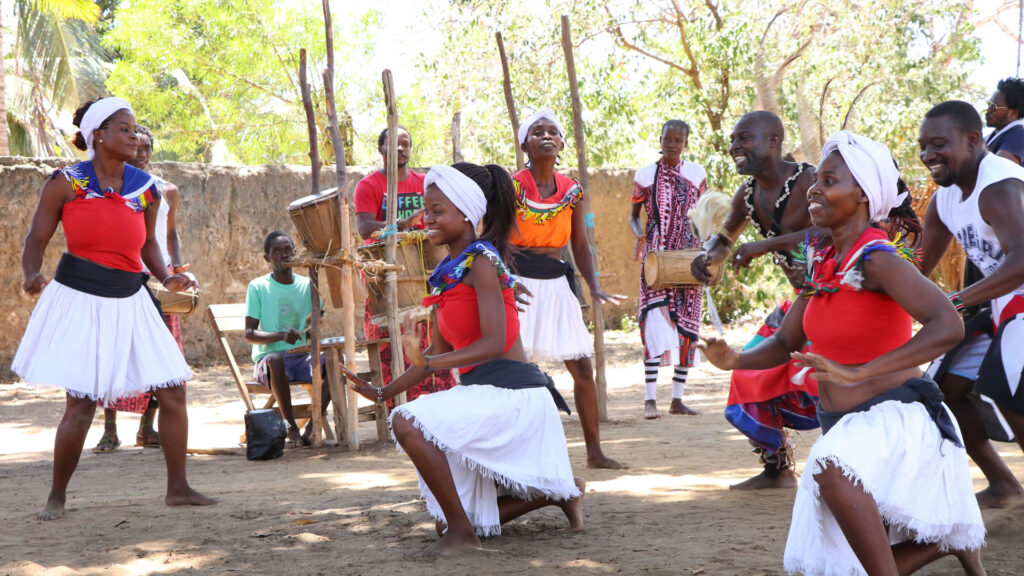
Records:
x=331, y=511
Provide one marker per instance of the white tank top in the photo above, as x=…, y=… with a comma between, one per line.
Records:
x=160, y=230
x=962, y=217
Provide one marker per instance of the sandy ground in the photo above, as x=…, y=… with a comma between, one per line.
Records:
x=335, y=512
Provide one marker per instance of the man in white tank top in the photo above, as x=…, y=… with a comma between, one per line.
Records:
x=166, y=233
x=981, y=204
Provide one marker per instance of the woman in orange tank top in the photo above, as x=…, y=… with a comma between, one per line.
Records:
x=890, y=455
x=548, y=218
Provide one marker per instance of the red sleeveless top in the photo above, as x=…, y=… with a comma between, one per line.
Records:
x=105, y=227
x=842, y=321
x=458, y=317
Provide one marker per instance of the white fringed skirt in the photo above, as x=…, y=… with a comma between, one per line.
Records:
x=552, y=327
x=98, y=348
x=920, y=482
x=498, y=442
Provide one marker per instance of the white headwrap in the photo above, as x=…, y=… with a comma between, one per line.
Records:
x=460, y=189
x=524, y=128
x=97, y=114
x=872, y=167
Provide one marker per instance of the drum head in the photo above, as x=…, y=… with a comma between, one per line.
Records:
x=313, y=199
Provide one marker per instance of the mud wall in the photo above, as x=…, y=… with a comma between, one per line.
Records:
x=224, y=214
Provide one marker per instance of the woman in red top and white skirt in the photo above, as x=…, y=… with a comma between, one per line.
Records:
x=493, y=448
x=96, y=330
x=886, y=488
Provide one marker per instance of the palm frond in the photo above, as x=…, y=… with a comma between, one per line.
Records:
x=82, y=10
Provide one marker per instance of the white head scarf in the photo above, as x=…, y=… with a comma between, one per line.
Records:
x=872, y=167
x=524, y=128
x=460, y=189
x=97, y=114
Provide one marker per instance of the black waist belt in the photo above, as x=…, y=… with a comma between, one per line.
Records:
x=92, y=278
x=530, y=264
x=513, y=375
x=923, y=390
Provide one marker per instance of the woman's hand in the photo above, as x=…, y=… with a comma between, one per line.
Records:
x=828, y=371
x=180, y=282
x=360, y=386
x=34, y=284
x=523, y=296
x=719, y=353
x=412, y=335
x=598, y=295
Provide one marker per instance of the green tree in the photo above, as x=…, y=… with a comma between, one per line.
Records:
x=57, y=63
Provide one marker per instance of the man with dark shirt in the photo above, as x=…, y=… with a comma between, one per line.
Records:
x=1004, y=112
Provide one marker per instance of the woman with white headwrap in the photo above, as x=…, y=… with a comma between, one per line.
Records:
x=547, y=219
x=890, y=456
x=96, y=331
x=493, y=448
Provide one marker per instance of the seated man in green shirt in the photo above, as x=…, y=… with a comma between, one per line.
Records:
x=277, y=309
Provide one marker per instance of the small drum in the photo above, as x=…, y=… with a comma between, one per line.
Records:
x=418, y=256
x=176, y=303
x=668, y=268
x=316, y=217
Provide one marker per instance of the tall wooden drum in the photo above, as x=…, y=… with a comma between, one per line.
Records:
x=317, y=218
x=669, y=268
x=418, y=256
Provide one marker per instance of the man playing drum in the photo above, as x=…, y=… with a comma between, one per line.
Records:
x=167, y=238
x=670, y=317
x=763, y=403
x=371, y=206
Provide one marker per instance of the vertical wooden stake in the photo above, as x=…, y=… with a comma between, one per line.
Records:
x=314, y=271
x=457, y=137
x=510, y=103
x=346, y=419
x=584, y=177
x=391, y=242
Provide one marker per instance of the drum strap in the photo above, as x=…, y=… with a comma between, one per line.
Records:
x=92, y=278
x=513, y=375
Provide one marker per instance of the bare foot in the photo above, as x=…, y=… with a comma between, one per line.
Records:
x=677, y=407
x=188, y=497
x=786, y=479
x=451, y=544
x=602, y=461
x=651, y=411
x=970, y=561
x=574, y=508
x=54, y=508
x=440, y=527
x=993, y=497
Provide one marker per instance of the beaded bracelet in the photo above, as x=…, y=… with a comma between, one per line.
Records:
x=957, y=300
x=380, y=394
x=427, y=365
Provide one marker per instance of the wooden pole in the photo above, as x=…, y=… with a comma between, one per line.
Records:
x=314, y=271
x=581, y=158
x=391, y=241
x=510, y=103
x=457, y=137
x=345, y=399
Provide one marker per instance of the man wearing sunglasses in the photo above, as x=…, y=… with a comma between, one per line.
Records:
x=1004, y=112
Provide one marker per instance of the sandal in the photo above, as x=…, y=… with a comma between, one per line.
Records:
x=140, y=436
x=107, y=444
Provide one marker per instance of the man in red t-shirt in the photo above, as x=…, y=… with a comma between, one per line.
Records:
x=370, y=194
x=371, y=206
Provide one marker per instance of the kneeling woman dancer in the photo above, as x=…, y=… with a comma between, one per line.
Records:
x=886, y=488
x=493, y=448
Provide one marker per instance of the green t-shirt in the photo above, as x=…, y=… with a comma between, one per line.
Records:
x=278, y=307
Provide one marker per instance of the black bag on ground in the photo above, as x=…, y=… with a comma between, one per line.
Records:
x=265, y=432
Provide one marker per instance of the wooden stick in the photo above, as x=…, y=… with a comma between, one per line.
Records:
x=457, y=137
x=314, y=271
x=391, y=242
x=307, y=103
x=581, y=158
x=510, y=103
x=345, y=417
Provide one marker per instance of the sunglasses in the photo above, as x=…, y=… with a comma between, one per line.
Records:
x=992, y=107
